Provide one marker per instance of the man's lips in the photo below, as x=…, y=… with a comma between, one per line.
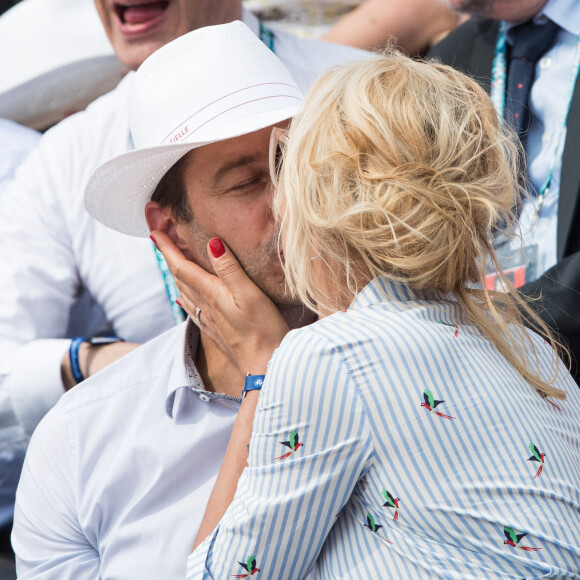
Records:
x=140, y=16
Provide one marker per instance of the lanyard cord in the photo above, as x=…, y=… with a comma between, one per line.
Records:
x=267, y=37
x=498, y=89
x=170, y=287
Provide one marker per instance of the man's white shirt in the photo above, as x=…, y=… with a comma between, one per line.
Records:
x=118, y=474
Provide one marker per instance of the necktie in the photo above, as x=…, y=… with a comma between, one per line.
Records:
x=529, y=42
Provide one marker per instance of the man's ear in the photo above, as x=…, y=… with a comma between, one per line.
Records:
x=161, y=218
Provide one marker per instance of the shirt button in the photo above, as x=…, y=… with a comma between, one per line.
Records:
x=545, y=62
x=204, y=397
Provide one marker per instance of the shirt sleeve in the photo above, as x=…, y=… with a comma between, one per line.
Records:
x=39, y=281
x=311, y=443
x=35, y=382
x=47, y=537
x=16, y=141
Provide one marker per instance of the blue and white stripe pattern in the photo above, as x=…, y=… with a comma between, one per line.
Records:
x=351, y=388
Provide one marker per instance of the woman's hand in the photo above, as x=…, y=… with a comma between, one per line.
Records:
x=243, y=322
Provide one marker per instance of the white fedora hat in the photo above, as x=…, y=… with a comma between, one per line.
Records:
x=55, y=58
x=212, y=84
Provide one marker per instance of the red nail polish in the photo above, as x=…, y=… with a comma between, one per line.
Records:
x=178, y=302
x=153, y=240
x=217, y=248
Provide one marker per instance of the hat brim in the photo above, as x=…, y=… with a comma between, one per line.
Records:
x=119, y=190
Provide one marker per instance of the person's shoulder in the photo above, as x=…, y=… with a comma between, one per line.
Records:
x=15, y=136
x=473, y=39
x=308, y=58
x=96, y=415
x=464, y=36
x=303, y=346
x=339, y=332
x=131, y=378
x=105, y=118
x=398, y=326
x=66, y=155
x=323, y=50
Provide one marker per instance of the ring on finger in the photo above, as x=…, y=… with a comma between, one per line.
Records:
x=197, y=316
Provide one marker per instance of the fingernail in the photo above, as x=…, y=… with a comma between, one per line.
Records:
x=217, y=248
x=153, y=240
x=178, y=302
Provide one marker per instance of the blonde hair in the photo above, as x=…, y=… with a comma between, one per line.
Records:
x=399, y=168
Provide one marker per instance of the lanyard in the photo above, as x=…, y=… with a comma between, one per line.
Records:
x=170, y=287
x=267, y=37
x=498, y=84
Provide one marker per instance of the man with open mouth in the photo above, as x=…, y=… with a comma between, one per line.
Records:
x=137, y=28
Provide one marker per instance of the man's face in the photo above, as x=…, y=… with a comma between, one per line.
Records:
x=137, y=28
x=229, y=191
x=510, y=10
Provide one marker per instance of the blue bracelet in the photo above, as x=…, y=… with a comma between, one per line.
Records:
x=253, y=383
x=75, y=345
x=73, y=353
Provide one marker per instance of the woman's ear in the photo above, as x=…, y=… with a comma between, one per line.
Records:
x=161, y=218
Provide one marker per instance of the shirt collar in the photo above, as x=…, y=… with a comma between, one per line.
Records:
x=396, y=294
x=184, y=378
x=183, y=371
x=565, y=13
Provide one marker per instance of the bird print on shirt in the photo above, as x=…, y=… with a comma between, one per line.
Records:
x=545, y=397
x=538, y=456
x=452, y=326
x=430, y=404
x=513, y=540
x=293, y=444
x=249, y=566
x=391, y=502
x=374, y=527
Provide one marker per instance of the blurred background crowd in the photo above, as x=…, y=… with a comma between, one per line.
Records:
x=64, y=60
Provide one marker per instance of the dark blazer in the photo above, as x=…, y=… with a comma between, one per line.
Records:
x=470, y=48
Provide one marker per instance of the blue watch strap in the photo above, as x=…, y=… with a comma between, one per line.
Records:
x=73, y=353
x=253, y=383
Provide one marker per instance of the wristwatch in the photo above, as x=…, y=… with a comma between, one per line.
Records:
x=253, y=383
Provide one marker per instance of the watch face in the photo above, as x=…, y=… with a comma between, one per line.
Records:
x=100, y=340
